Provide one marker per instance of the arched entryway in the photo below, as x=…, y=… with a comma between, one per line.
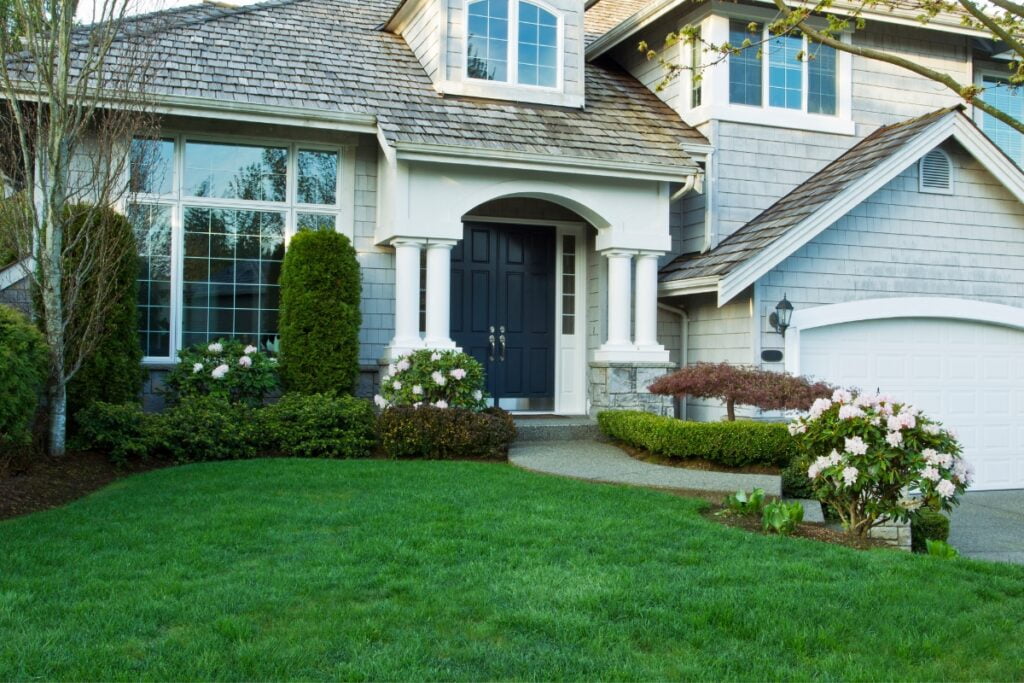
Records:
x=518, y=302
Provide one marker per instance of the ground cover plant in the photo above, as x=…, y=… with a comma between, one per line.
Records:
x=375, y=569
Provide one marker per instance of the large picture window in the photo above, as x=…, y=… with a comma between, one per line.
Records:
x=513, y=41
x=791, y=74
x=211, y=221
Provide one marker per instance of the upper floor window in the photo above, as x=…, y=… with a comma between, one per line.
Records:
x=513, y=41
x=793, y=74
x=1000, y=94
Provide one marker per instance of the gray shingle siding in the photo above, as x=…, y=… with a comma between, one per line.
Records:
x=901, y=242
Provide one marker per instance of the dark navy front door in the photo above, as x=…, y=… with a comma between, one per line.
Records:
x=502, y=310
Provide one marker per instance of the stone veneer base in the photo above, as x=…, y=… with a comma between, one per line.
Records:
x=623, y=386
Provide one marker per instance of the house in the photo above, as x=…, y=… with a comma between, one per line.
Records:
x=517, y=184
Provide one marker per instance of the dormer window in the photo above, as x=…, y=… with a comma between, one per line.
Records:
x=513, y=41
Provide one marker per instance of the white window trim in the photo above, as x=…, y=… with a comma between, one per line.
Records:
x=343, y=209
x=513, y=49
x=715, y=104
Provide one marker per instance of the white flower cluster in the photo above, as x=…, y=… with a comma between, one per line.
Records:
x=221, y=370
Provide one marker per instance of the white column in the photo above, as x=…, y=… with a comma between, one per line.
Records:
x=439, y=294
x=647, y=301
x=619, y=277
x=407, y=297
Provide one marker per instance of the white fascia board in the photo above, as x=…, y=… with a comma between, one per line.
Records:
x=751, y=270
x=989, y=155
x=655, y=11
x=403, y=14
x=471, y=156
x=696, y=285
x=16, y=272
x=262, y=113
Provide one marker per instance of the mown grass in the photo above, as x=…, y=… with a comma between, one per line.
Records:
x=274, y=569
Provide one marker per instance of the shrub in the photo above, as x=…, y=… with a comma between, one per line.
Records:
x=795, y=483
x=226, y=369
x=927, y=525
x=445, y=379
x=734, y=444
x=320, y=318
x=318, y=426
x=745, y=504
x=123, y=431
x=782, y=518
x=206, y=428
x=445, y=433
x=112, y=372
x=868, y=449
x=734, y=385
x=24, y=366
x=941, y=549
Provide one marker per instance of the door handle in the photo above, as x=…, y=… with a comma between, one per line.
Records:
x=501, y=340
x=490, y=339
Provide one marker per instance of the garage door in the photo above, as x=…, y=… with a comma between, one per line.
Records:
x=969, y=375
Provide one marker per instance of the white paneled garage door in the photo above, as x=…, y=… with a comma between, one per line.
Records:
x=970, y=375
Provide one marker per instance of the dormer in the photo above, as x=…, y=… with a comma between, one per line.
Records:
x=519, y=50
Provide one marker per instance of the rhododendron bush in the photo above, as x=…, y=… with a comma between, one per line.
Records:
x=443, y=379
x=225, y=368
x=866, y=451
x=735, y=384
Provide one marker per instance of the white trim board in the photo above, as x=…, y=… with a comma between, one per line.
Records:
x=954, y=125
x=15, y=273
x=895, y=307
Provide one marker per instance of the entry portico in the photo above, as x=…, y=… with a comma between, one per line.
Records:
x=617, y=225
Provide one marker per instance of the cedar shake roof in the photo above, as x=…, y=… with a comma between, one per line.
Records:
x=607, y=14
x=788, y=212
x=332, y=55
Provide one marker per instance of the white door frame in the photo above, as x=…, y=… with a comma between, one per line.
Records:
x=569, y=400
x=895, y=307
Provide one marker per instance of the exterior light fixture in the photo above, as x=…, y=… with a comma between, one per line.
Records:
x=779, y=320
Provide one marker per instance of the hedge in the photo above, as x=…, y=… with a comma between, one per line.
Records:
x=320, y=317
x=927, y=525
x=734, y=444
x=318, y=426
x=113, y=372
x=445, y=433
x=24, y=367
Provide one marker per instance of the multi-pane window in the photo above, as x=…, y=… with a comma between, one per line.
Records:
x=744, y=67
x=1000, y=94
x=568, y=284
x=800, y=76
x=512, y=41
x=211, y=220
x=696, y=62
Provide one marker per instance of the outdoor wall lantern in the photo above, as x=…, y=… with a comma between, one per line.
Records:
x=780, y=318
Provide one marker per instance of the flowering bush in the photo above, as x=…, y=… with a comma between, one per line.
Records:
x=443, y=379
x=866, y=451
x=225, y=368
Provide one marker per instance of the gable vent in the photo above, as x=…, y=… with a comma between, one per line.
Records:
x=936, y=172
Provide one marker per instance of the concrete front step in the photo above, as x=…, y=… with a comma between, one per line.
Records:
x=555, y=428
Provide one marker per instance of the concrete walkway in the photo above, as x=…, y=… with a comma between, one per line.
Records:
x=989, y=525
x=595, y=461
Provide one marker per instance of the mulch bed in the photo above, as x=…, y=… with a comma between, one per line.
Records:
x=814, y=532
x=693, y=463
x=34, y=482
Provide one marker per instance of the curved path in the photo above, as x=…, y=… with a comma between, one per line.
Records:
x=596, y=461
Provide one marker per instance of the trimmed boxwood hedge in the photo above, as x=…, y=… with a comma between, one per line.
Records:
x=445, y=433
x=320, y=317
x=734, y=444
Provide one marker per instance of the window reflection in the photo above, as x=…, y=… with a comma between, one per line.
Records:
x=229, y=171
x=487, y=51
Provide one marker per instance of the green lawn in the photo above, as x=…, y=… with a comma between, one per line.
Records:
x=274, y=569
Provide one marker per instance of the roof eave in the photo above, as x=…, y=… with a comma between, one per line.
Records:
x=687, y=286
x=551, y=163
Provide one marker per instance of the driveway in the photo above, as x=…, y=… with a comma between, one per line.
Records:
x=989, y=525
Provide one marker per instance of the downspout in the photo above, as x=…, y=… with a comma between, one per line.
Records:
x=691, y=180
x=684, y=328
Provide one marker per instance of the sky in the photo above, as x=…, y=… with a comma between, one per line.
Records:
x=89, y=9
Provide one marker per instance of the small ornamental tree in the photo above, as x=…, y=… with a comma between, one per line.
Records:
x=734, y=384
x=866, y=452
x=443, y=379
x=320, y=317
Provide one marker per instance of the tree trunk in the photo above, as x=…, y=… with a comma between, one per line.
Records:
x=730, y=409
x=58, y=418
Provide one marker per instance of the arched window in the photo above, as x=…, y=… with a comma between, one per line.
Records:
x=513, y=41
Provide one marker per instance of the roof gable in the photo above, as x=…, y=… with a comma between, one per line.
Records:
x=760, y=245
